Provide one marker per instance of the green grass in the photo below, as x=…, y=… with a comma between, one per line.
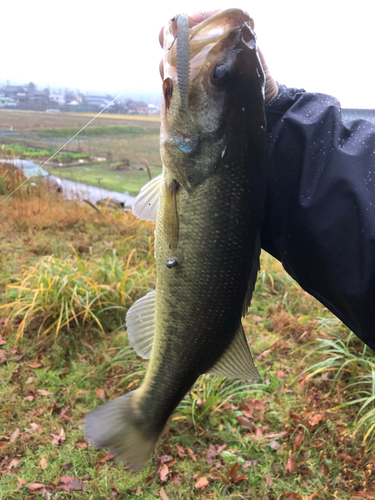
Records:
x=102, y=131
x=290, y=436
x=129, y=180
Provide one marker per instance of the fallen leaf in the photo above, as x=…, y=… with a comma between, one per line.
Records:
x=175, y=479
x=233, y=470
x=15, y=435
x=297, y=441
x=290, y=464
x=104, y=458
x=115, y=487
x=290, y=495
x=34, y=487
x=2, y=357
x=315, y=419
x=2, y=341
x=86, y=344
x=323, y=469
x=180, y=451
x=35, y=364
x=30, y=380
x=34, y=427
x=29, y=398
x=43, y=463
x=245, y=422
x=280, y=374
x=191, y=454
x=81, y=443
x=311, y=497
x=269, y=480
x=275, y=445
x=163, y=494
x=262, y=354
x=42, y=392
x=71, y=483
x=58, y=438
x=21, y=480
x=201, y=483
x=240, y=477
x=100, y=393
x=163, y=472
x=14, y=462
x=257, y=319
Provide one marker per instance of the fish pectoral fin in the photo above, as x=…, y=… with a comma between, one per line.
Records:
x=237, y=362
x=140, y=323
x=147, y=202
x=116, y=426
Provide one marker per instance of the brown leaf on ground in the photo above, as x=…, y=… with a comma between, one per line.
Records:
x=71, y=484
x=35, y=487
x=163, y=494
x=250, y=463
x=262, y=354
x=163, y=472
x=180, y=451
x=149, y=481
x=14, y=463
x=311, y=497
x=290, y=495
x=275, y=445
x=115, y=487
x=81, y=443
x=2, y=357
x=104, y=458
x=240, y=477
x=191, y=454
x=280, y=374
x=100, y=393
x=30, y=380
x=245, y=422
x=45, y=393
x=290, y=464
x=15, y=435
x=2, y=341
x=201, y=483
x=34, y=427
x=21, y=480
x=323, y=469
x=298, y=441
x=315, y=419
x=35, y=364
x=233, y=470
x=257, y=404
x=269, y=480
x=44, y=463
x=175, y=479
x=86, y=344
x=58, y=438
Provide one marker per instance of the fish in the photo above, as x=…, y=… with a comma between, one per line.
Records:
x=208, y=205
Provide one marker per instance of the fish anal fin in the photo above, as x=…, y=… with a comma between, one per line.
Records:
x=140, y=323
x=237, y=362
x=147, y=202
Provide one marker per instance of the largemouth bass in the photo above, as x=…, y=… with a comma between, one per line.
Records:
x=208, y=206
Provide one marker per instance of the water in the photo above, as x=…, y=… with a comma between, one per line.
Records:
x=76, y=190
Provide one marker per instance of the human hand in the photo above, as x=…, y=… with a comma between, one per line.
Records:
x=271, y=88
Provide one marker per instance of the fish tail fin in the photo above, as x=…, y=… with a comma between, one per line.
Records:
x=119, y=427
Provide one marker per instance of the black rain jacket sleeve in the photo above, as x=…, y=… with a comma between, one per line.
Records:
x=320, y=209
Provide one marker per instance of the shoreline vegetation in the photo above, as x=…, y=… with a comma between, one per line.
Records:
x=68, y=274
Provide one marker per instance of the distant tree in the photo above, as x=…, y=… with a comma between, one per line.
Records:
x=31, y=88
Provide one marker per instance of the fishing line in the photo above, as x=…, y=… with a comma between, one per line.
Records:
x=62, y=147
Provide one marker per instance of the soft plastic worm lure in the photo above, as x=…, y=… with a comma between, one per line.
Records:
x=183, y=60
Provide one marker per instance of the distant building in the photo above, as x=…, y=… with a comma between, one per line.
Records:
x=57, y=97
x=137, y=108
x=7, y=102
x=16, y=92
x=99, y=101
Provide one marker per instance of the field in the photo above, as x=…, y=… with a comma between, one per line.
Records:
x=68, y=274
x=117, y=138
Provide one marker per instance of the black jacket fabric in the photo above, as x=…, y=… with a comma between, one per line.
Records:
x=320, y=210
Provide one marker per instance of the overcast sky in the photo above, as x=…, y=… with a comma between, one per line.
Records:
x=322, y=46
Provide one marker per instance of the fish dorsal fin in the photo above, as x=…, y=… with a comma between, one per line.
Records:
x=237, y=361
x=140, y=323
x=146, y=203
x=253, y=277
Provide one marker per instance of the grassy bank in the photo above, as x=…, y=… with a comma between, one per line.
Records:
x=72, y=273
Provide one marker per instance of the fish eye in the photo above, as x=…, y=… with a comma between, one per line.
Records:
x=220, y=74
